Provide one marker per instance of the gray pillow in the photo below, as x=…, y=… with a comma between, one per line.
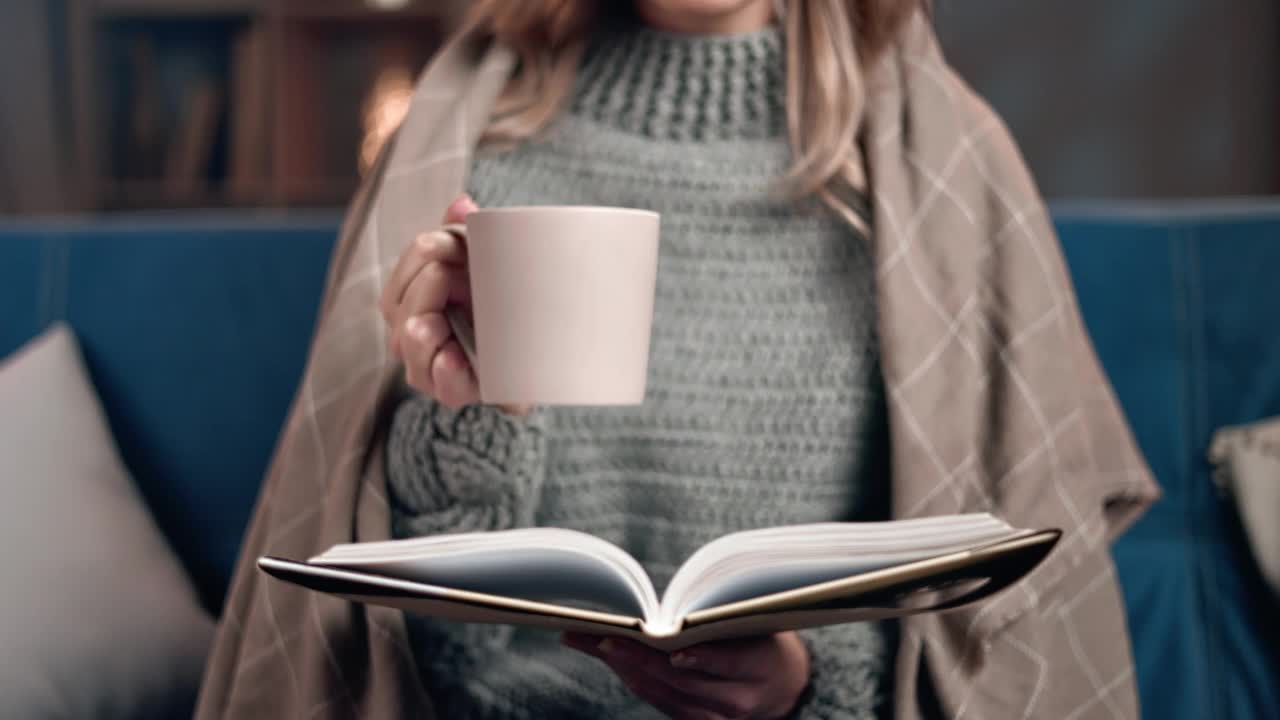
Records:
x=1247, y=464
x=97, y=618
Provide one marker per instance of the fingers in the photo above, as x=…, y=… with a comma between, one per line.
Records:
x=436, y=285
x=424, y=336
x=669, y=701
x=434, y=247
x=435, y=364
x=452, y=379
x=459, y=210
x=438, y=247
x=725, y=698
x=588, y=644
x=728, y=660
x=429, y=275
x=651, y=676
x=516, y=410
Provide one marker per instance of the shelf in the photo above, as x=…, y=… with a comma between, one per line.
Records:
x=362, y=10
x=136, y=194
x=311, y=192
x=310, y=10
x=314, y=192
x=175, y=9
x=241, y=103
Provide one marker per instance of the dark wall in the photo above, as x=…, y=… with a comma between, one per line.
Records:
x=32, y=164
x=1121, y=98
x=1108, y=98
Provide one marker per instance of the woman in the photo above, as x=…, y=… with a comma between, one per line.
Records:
x=765, y=405
x=861, y=312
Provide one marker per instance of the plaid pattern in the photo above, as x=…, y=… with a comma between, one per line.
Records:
x=996, y=403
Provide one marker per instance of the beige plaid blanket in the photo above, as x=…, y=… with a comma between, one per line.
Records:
x=996, y=403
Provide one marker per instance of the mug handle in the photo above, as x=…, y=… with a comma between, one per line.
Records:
x=462, y=328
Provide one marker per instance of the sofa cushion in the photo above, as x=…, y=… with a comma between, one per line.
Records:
x=1247, y=462
x=97, y=617
x=1177, y=298
x=194, y=327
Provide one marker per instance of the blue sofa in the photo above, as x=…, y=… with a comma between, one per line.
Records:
x=196, y=327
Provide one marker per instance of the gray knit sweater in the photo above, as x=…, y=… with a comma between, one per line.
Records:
x=764, y=407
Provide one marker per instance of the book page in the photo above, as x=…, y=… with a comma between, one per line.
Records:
x=933, y=584
x=756, y=563
x=441, y=602
x=544, y=565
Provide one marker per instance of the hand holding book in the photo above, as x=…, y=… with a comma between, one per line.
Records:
x=757, y=677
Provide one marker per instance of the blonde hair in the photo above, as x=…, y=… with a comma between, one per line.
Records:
x=828, y=42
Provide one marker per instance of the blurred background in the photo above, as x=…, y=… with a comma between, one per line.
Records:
x=136, y=104
x=142, y=104
x=172, y=174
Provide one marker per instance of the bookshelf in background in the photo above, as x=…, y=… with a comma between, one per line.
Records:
x=340, y=75
x=182, y=103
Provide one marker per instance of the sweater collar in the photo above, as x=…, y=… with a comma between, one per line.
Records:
x=681, y=87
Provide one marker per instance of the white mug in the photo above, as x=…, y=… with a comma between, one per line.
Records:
x=562, y=303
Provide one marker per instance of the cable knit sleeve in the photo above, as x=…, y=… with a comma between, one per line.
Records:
x=846, y=681
x=470, y=470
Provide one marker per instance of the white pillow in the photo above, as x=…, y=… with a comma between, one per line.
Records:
x=97, y=618
x=1247, y=460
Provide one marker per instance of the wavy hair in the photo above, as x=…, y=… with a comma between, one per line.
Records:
x=829, y=42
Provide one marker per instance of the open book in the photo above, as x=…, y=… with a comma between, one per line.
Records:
x=745, y=583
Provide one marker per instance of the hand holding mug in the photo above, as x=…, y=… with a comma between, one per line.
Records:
x=431, y=275
x=525, y=306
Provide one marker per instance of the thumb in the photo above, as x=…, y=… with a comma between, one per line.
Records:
x=460, y=209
